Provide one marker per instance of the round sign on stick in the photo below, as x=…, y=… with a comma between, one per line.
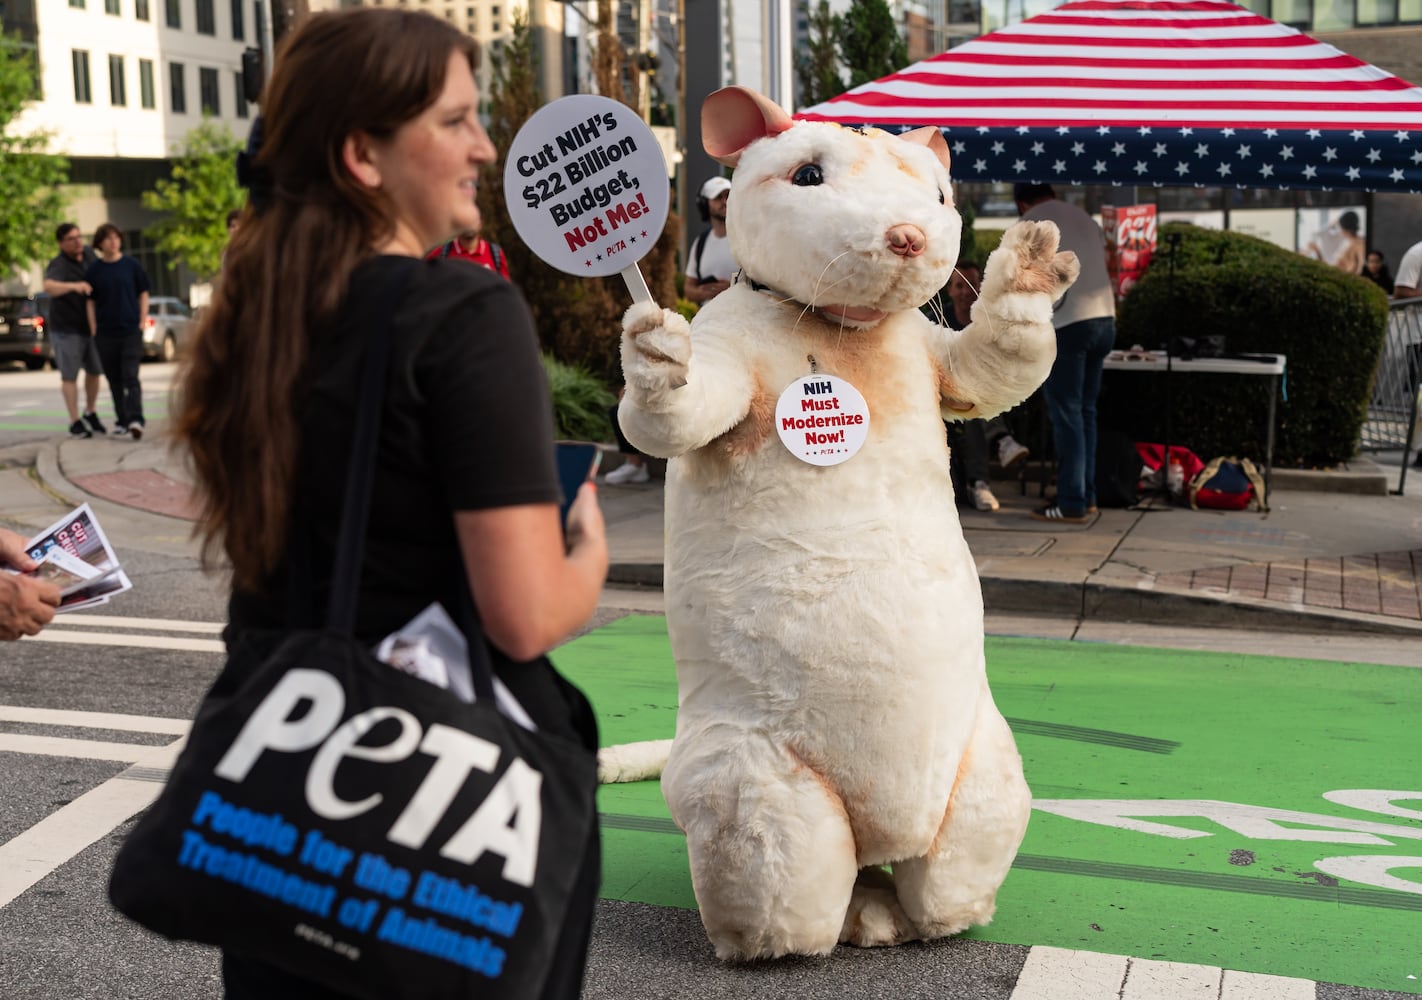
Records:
x=822, y=419
x=586, y=187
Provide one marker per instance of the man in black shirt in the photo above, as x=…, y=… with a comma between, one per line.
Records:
x=118, y=308
x=65, y=281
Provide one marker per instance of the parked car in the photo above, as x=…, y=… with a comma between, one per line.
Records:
x=23, y=334
x=167, y=331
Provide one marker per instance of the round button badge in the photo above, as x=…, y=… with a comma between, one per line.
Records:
x=822, y=419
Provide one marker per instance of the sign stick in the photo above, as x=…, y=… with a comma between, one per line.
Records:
x=636, y=284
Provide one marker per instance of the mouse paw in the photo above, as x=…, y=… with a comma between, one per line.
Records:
x=656, y=346
x=1027, y=260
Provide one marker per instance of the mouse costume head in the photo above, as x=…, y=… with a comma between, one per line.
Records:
x=874, y=227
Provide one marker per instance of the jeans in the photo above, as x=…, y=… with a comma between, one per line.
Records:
x=1070, y=392
x=121, y=356
x=968, y=444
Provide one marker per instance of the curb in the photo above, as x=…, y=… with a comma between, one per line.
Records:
x=51, y=479
x=1096, y=601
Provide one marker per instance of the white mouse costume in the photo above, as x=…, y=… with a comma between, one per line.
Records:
x=827, y=623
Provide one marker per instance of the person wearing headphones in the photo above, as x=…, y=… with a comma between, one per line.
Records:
x=711, y=266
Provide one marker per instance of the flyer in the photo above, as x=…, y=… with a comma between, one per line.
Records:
x=77, y=536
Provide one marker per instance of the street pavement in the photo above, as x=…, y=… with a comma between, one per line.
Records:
x=1336, y=552
x=1152, y=578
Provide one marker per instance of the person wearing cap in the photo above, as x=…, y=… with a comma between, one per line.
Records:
x=709, y=270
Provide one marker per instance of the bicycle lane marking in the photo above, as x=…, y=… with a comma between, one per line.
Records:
x=1314, y=873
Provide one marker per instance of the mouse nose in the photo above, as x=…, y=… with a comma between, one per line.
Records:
x=906, y=240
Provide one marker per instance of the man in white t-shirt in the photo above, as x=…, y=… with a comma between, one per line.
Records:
x=1408, y=282
x=710, y=266
x=1086, y=331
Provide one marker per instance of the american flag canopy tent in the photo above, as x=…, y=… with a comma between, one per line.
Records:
x=1155, y=92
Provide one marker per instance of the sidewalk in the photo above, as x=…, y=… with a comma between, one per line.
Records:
x=1335, y=553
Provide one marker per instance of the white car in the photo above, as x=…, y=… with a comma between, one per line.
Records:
x=166, y=333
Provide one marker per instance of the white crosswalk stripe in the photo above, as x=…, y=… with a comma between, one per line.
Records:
x=76, y=629
x=36, y=852
x=1063, y=974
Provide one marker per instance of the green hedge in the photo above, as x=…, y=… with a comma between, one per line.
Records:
x=1261, y=299
x=580, y=402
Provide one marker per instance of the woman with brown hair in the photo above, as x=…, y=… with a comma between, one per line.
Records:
x=369, y=152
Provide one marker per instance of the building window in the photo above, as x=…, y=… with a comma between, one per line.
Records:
x=206, y=18
x=77, y=3
x=81, y=77
x=241, y=102
x=178, y=95
x=118, y=95
x=140, y=10
x=112, y=7
x=207, y=91
x=146, y=95
x=174, y=13
x=239, y=30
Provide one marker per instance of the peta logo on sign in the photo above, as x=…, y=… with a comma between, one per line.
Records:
x=507, y=822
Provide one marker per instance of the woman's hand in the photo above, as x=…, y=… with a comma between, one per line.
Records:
x=26, y=604
x=585, y=529
x=534, y=582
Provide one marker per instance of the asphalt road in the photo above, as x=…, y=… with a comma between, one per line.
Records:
x=105, y=690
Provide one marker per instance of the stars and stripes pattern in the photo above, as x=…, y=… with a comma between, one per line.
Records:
x=1155, y=92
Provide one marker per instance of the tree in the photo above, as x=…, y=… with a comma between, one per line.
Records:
x=869, y=42
x=196, y=198
x=578, y=319
x=30, y=176
x=818, y=68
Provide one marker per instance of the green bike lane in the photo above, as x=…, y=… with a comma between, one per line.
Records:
x=1257, y=813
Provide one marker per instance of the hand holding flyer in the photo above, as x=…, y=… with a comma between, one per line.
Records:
x=76, y=556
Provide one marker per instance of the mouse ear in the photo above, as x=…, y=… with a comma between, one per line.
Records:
x=931, y=137
x=734, y=117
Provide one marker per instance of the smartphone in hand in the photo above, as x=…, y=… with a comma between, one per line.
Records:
x=577, y=463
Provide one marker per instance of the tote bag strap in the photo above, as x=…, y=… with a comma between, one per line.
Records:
x=355, y=508
x=370, y=404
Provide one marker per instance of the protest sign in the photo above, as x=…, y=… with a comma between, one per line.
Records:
x=586, y=188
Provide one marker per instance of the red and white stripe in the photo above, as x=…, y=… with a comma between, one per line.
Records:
x=1198, y=63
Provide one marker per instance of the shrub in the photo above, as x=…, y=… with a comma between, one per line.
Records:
x=1264, y=300
x=580, y=402
x=984, y=242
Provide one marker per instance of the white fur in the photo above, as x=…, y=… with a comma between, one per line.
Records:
x=827, y=622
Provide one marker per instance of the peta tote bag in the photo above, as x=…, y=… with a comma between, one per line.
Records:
x=355, y=825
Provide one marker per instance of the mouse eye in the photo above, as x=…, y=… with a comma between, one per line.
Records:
x=940, y=196
x=810, y=175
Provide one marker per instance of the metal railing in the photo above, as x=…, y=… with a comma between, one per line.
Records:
x=1392, y=410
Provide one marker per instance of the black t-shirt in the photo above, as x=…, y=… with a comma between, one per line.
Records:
x=117, y=287
x=66, y=312
x=467, y=425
